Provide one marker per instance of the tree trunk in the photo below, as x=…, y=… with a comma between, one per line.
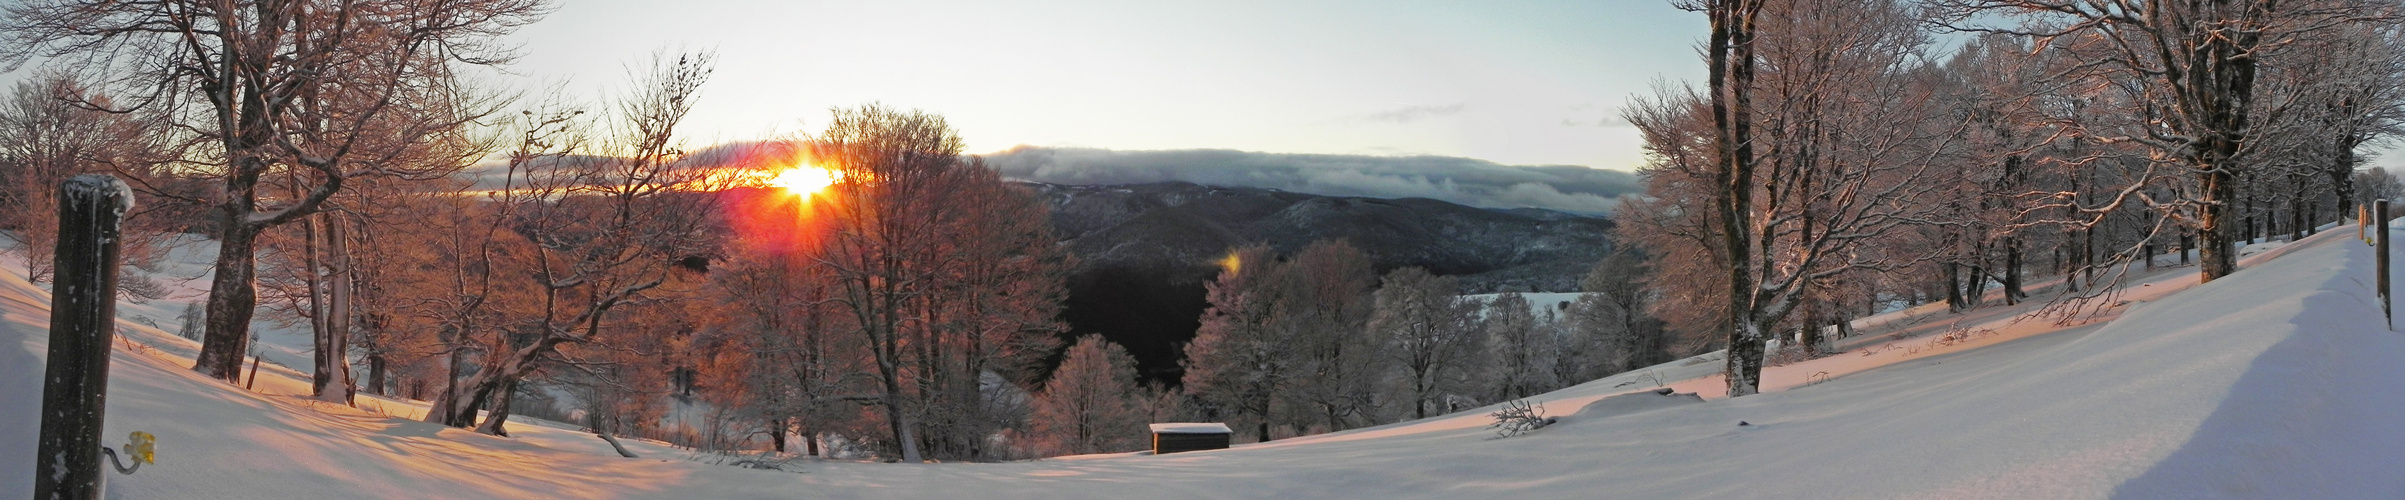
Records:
x=313, y=278
x=1731, y=57
x=2213, y=233
x=2342, y=171
x=1954, y=300
x=1974, y=287
x=1419, y=394
x=375, y=375
x=1744, y=366
x=2246, y=213
x=231, y=302
x=2187, y=244
x=2296, y=214
x=2012, y=271
x=446, y=404
x=906, y=437
x=776, y=435
x=333, y=381
x=2312, y=219
x=2087, y=256
x=501, y=398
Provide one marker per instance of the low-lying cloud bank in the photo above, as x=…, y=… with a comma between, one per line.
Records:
x=1466, y=181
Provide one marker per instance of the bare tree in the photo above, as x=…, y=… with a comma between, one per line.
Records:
x=1730, y=56
x=1235, y=366
x=1431, y=333
x=947, y=275
x=2354, y=96
x=2191, y=69
x=797, y=370
x=270, y=85
x=1519, y=353
x=1612, y=321
x=1847, y=135
x=2377, y=184
x=1323, y=314
x=1087, y=406
x=46, y=136
x=601, y=232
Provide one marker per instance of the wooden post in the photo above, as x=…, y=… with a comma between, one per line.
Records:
x=83, y=318
x=2380, y=211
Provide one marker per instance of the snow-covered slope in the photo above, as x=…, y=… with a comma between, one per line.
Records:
x=1546, y=305
x=2273, y=382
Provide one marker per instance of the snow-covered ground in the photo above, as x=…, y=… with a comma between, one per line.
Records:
x=2274, y=382
x=1544, y=305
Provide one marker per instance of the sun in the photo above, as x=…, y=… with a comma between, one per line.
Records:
x=802, y=180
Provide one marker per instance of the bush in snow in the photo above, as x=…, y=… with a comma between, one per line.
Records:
x=1518, y=417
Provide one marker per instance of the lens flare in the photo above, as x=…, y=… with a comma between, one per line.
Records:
x=802, y=180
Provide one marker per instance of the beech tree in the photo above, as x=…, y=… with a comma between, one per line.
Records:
x=1235, y=365
x=1431, y=334
x=2351, y=93
x=272, y=85
x=1519, y=352
x=1610, y=325
x=948, y=276
x=600, y=232
x=1845, y=137
x=796, y=368
x=51, y=128
x=2376, y=184
x=1323, y=317
x=2191, y=69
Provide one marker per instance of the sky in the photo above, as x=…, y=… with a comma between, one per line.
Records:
x=1510, y=82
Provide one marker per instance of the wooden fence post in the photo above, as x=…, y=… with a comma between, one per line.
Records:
x=2380, y=211
x=83, y=318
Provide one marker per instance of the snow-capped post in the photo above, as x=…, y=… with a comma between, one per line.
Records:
x=83, y=311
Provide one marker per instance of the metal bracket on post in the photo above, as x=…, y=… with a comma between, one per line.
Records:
x=141, y=447
x=83, y=318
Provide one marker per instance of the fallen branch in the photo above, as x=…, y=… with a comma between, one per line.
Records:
x=615, y=446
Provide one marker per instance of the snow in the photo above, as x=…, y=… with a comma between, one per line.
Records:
x=88, y=185
x=2272, y=382
x=1545, y=305
x=1191, y=428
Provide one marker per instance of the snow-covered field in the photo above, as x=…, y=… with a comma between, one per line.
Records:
x=2274, y=382
x=1543, y=305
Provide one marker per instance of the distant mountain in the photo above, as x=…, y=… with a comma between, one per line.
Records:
x=1144, y=250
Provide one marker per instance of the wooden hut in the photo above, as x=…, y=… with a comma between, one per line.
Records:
x=1177, y=437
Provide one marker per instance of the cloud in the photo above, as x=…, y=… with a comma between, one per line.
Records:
x=1408, y=114
x=1460, y=180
